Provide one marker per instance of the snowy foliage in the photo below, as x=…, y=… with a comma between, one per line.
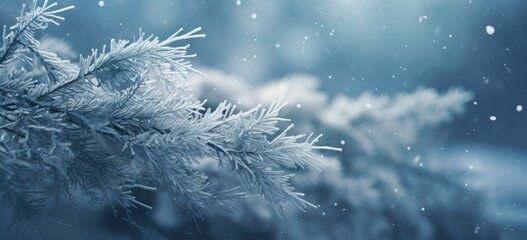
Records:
x=122, y=120
x=389, y=182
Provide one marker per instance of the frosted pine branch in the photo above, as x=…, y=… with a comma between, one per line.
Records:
x=124, y=119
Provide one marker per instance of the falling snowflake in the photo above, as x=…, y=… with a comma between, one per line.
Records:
x=490, y=29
